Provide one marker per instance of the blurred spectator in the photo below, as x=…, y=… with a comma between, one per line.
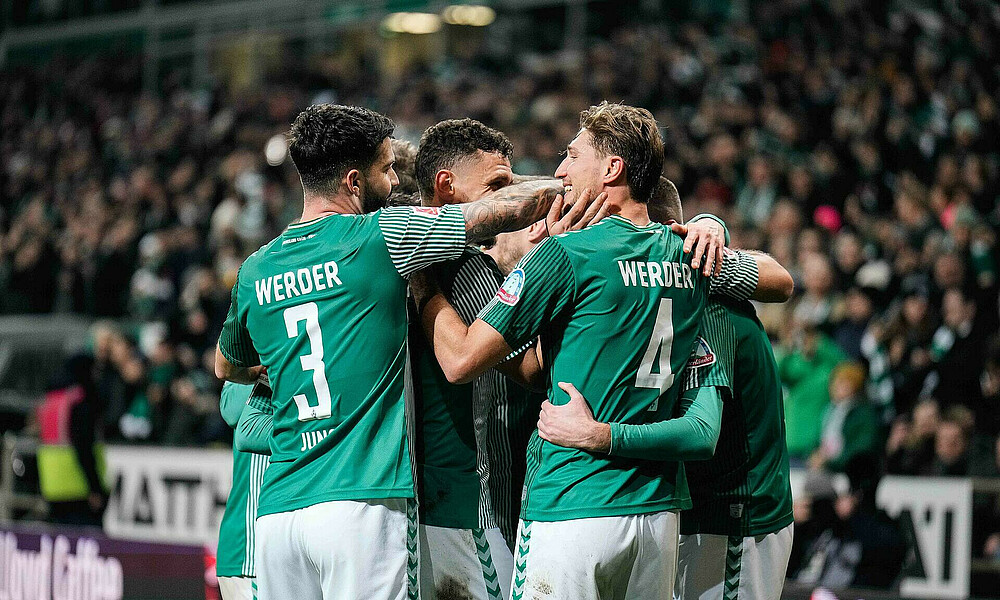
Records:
x=958, y=359
x=819, y=305
x=858, y=312
x=850, y=427
x=858, y=546
x=805, y=369
x=951, y=448
x=910, y=447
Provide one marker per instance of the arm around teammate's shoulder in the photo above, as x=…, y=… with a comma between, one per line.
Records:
x=775, y=283
x=750, y=275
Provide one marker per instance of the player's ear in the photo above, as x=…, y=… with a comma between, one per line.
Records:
x=444, y=185
x=614, y=169
x=537, y=232
x=353, y=181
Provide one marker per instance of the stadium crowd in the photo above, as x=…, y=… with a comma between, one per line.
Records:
x=857, y=144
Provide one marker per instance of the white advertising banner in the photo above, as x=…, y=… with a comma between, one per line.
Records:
x=167, y=494
x=937, y=511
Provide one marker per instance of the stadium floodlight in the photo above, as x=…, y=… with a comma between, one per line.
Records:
x=469, y=14
x=276, y=150
x=412, y=22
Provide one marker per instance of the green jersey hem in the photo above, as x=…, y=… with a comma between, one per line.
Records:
x=357, y=495
x=723, y=524
x=226, y=573
x=571, y=514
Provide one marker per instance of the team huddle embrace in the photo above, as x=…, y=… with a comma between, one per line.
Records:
x=486, y=385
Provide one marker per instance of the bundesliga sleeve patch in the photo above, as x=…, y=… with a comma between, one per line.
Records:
x=510, y=292
x=701, y=355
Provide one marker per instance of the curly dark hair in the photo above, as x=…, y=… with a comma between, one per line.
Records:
x=406, y=158
x=327, y=140
x=444, y=144
x=631, y=133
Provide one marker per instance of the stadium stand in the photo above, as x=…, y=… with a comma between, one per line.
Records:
x=857, y=142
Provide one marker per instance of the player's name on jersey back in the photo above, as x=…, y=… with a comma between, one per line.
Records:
x=656, y=274
x=297, y=283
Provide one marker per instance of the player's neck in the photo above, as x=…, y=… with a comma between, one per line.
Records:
x=635, y=212
x=316, y=206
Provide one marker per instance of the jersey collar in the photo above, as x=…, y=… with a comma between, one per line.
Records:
x=648, y=227
x=304, y=224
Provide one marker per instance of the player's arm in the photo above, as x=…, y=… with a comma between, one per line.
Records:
x=775, y=283
x=466, y=351
x=525, y=367
x=418, y=237
x=231, y=402
x=692, y=435
x=256, y=423
x=463, y=351
x=539, y=287
x=748, y=275
x=236, y=359
x=475, y=286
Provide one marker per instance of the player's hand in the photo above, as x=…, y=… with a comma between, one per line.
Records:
x=587, y=210
x=708, y=239
x=573, y=425
x=423, y=285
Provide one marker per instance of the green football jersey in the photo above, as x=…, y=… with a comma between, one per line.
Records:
x=744, y=489
x=465, y=433
x=323, y=306
x=235, y=553
x=618, y=308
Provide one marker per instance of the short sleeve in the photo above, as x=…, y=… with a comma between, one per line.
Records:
x=417, y=236
x=474, y=286
x=714, y=353
x=539, y=288
x=739, y=276
x=235, y=342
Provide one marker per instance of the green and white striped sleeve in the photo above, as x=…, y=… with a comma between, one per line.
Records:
x=712, y=359
x=536, y=291
x=739, y=276
x=417, y=236
x=260, y=395
x=235, y=343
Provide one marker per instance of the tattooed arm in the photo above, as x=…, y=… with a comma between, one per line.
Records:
x=509, y=209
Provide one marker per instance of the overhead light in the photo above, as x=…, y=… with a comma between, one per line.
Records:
x=469, y=14
x=412, y=22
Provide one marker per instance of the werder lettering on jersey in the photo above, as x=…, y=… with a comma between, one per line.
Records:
x=656, y=274
x=297, y=283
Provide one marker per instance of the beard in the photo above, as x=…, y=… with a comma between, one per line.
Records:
x=371, y=200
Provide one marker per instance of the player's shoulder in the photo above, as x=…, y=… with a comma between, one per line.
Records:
x=253, y=263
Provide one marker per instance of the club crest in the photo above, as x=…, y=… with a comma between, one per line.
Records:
x=510, y=292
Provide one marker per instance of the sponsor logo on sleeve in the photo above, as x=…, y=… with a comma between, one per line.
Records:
x=702, y=355
x=510, y=292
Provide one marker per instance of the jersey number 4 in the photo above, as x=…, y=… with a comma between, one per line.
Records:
x=659, y=348
x=313, y=361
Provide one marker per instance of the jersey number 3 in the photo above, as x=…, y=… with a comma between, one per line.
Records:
x=659, y=347
x=313, y=361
